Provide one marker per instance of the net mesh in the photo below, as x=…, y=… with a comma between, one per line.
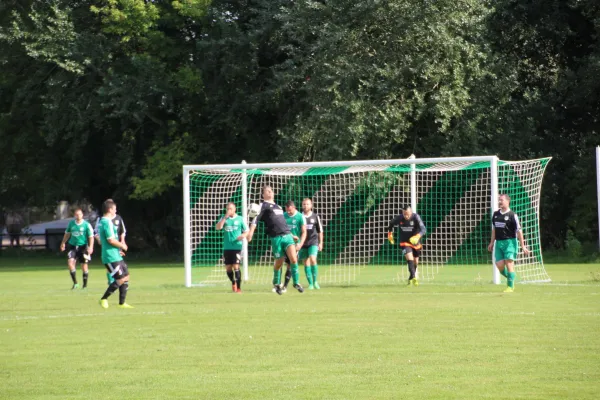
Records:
x=355, y=205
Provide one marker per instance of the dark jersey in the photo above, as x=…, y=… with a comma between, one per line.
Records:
x=272, y=215
x=408, y=227
x=313, y=228
x=505, y=225
x=117, y=222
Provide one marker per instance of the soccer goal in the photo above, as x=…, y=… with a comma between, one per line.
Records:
x=455, y=198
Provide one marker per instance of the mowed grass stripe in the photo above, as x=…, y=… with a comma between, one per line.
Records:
x=362, y=342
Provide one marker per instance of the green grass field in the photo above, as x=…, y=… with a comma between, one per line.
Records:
x=435, y=341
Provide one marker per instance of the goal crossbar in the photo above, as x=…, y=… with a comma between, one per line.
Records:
x=347, y=163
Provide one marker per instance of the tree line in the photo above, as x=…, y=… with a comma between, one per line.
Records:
x=109, y=98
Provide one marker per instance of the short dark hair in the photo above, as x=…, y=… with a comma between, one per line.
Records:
x=107, y=205
x=290, y=203
x=77, y=209
x=405, y=207
x=505, y=195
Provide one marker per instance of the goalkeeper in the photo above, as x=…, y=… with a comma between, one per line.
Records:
x=411, y=230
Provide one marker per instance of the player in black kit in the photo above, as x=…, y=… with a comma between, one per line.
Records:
x=312, y=245
x=282, y=242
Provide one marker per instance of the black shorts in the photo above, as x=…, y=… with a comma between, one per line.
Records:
x=118, y=269
x=78, y=253
x=407, y=249
x=232, y=257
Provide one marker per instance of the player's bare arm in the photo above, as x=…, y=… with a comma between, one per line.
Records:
x=491, y=245
x=114, y=242
x=221, y=223
x=90, y=247
x=320, y=241
x=522, y=242
x=251, y=233
x=243, y=236
x=302, y=238
x=64, y=241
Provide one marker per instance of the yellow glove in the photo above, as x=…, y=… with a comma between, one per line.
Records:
x=415, y=239
x=391, y=237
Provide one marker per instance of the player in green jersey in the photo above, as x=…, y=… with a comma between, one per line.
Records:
x=79, y=237
x=121, y=232
x=297, y=225
x=112, y=250
x=236, y=231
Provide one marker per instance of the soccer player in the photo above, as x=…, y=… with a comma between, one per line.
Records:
x=80, y=238
x=121, y=233
x=312, y=245
x=411, y=230
x=112, y=250
x=236, y=230
x=282, y=242
x=297, y=225
x=505, y=232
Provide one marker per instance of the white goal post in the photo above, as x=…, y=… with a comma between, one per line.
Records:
x=455, y=197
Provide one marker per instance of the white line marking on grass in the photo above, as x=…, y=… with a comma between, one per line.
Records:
x=61, y=316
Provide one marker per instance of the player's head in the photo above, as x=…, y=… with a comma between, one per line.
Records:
x=109, y=207
x=290, y=207
x=307, y=205
x=503, y=201
x=231, y=207
x=267, y=193
x=78, y=214
x=407, y=211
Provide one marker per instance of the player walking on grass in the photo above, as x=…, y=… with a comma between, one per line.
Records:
x=297, y=225
x=312, y=245
x=236, y=231
x=505, y=232
x=112, y=250
x=80, y=239
x=121, y=233
x=411, y=230
x=282, y=242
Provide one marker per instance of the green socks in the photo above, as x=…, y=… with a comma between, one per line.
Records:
x=309, y=274
x=276, y=276
x=510, y=280
x=504, y=272
x=315, y=272
x=295, y=274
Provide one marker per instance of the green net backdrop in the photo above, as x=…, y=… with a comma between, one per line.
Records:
x=356, y=204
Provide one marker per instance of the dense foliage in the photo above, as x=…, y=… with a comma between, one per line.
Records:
x=110, y=98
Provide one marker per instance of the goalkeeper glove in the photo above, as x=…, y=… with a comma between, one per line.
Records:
x=391, y=237
x=415, y=239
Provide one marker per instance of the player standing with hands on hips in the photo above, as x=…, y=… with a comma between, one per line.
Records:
x=411, y=230
x=506, y=229
x=236, y=231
